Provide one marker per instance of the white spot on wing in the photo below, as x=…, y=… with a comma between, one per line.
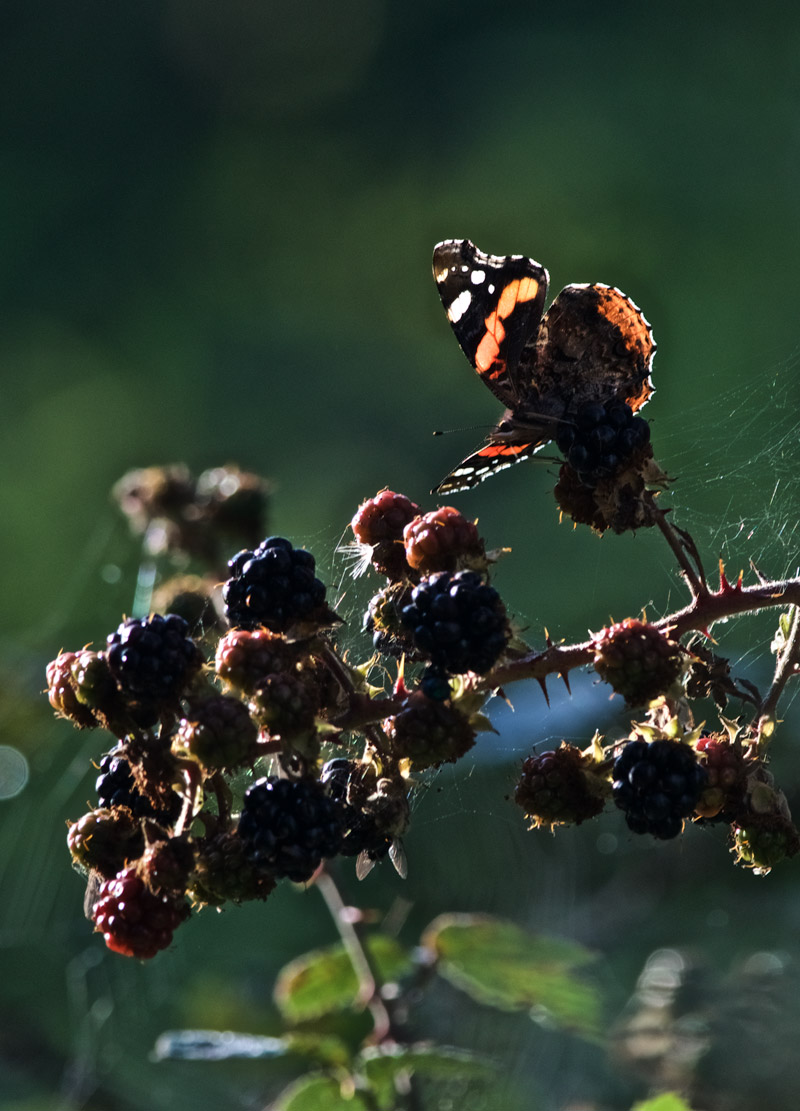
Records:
x=459, y=306
x=477, y=276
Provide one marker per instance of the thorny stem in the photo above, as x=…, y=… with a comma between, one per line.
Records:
x=786, y=666
x=371, y=730
x=703, y=612
x=682, y=546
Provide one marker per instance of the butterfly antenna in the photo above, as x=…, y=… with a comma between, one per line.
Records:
x=469, y=428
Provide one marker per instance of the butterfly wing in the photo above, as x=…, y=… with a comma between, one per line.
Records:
x=494, y=456
x=594, y=344
x=494, y=304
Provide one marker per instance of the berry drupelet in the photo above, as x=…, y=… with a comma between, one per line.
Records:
x=274, y=586
x=153, y=658
x=657, y=785
x=288, y=825
x=457, y=621
x=602, y=439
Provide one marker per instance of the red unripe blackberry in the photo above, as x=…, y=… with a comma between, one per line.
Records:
x=457, y=621
x=288, y=825
x=153, y=658
x=165, y=865
x=383, y=518
x=637, y=660
x=556, y=788
x=429, y=733
x=105, y=840
x=275, y=587
x=246, y=656
x=222, y=871
x=62, y=692
x=444, y=540
x=134, y=921
x=724, y=761
x=218, y=732
x=657, y=785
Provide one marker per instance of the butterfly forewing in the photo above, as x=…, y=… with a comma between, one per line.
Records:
x=494, y=304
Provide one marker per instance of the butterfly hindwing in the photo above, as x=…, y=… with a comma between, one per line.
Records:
x=483, y=463
x=494, y=304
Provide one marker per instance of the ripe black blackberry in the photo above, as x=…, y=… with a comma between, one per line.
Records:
x=134, y=921
x=115, y=786
x=457, y=621
x=602, y=439
x=153, y=658
x=288, y=825
x=638, y=660
x=657, y=785
x=275, y=587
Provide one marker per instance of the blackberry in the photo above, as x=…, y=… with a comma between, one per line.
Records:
x=288, y=825
x=637, y=660
x=724, y=761
x=383, y=621
x=223, y=872
x=457, y=621
x=555, y=787
x=134, y=921
x=284, y=705
x=602, y=439
x=429, y=733
x=443, y=540
x=383, y=518
x=218, y=732
x=373, y=810
x=116, y=786
x=104, y=840
x=153, y=658
x=62, y=692
x=274, y=586
x=246, y=656
x=657, y=785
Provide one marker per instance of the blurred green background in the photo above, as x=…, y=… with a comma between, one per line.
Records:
x=218, y=222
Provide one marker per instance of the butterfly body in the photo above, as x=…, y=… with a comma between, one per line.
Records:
x=592, y=344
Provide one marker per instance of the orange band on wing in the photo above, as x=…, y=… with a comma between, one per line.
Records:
x=521, y=289
x=491, y=451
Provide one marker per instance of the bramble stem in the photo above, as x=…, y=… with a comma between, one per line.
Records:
x=703, y=611
x=785, y=666
x=368, y=978
x=682, y=546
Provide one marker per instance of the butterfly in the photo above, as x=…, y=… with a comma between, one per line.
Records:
x=592, y=344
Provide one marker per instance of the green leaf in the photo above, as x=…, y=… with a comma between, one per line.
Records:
x=381, y=1066
x=317, y=1092
x=504, y=966
x=324, y=981
x=668, y=1101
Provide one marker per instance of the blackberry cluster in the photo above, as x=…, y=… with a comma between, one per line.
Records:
x=288, y=825
x=153, y=658
x=116, y=787
x=657, y=785
x=457, y=621
x=273, y=586
x=602, y=439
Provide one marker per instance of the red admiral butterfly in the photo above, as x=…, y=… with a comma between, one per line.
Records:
x=592, y=344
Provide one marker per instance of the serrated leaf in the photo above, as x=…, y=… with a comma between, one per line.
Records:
x=215, y=1045
x=667, y=1101
x=317, y=1092
x=323, y=981
x=504, y=966
x=381, y=1066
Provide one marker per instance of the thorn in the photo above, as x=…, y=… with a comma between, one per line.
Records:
x=725, y=587
x=565, y=676
x=543, y=685
x=547, y=638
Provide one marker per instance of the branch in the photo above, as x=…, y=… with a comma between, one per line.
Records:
x=683, y=547
x=785, y=666
x=704, y=611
